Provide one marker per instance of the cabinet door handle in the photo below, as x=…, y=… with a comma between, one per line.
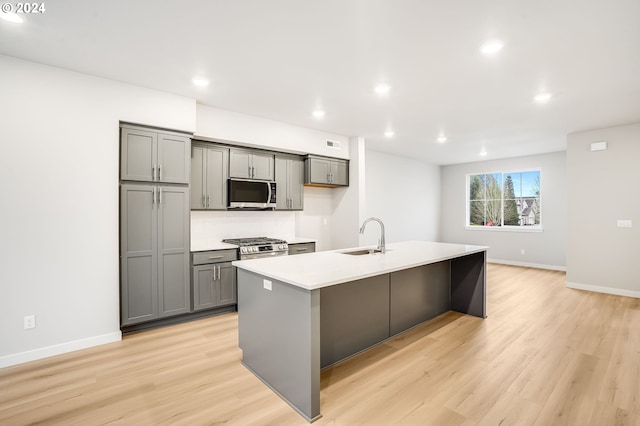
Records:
x=253, y=172
x=208, y=200
x=203, y=203
x=216, y=257
x=159, y=172
x=249, y=173
x=218, y=272
x=159, y=195
x=153, y=172
x=153, y=198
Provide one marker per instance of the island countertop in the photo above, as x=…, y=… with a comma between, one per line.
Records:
x=322, y=269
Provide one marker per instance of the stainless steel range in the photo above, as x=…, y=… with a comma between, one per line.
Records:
x=257, y=247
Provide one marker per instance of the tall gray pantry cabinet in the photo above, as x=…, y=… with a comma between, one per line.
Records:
x=154, y=224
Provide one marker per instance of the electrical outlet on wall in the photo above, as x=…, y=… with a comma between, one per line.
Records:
x=29, y=322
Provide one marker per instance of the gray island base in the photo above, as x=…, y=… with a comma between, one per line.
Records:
x=300, y=314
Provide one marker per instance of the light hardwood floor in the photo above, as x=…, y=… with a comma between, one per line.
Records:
x=546, y=355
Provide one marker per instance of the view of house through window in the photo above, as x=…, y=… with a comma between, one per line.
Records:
x=504, y=199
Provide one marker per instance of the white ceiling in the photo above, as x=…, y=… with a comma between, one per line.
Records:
x=281, y=59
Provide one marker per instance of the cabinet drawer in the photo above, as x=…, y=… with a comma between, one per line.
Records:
x=214, y=256
x=302, y=248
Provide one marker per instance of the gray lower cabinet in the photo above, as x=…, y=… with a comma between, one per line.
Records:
x=213, y=279
x=353, y=316
x=147, y=155
x=359, y=314
x=209, y=165
x=325, y=171
x=418, y=294
x=289, y=183
x=154, y=252
x=301, y=248
x=250, y=164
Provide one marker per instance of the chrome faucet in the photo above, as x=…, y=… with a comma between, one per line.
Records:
x=381, y=244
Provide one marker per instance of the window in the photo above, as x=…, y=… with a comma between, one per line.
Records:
x=506, y=200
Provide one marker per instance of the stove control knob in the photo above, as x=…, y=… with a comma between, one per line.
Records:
x=243, y=250
x=282, y=246
x=255, y=249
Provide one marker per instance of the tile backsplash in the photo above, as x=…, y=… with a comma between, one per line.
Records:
x=214, y=226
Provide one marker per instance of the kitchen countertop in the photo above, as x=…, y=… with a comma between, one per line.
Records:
x=211, y=245
x=299, y=240
x=219, y=245
x=322, y=269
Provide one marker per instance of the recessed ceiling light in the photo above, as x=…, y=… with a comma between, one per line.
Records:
x=382, y=89
x=200, y=81
x=11, y=17
x=442, y=139
x=491, y=47
x=389, y=133
x=318, y=113
x=542, y=98
x=483, y=153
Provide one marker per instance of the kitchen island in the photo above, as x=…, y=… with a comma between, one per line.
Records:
x=299, y=314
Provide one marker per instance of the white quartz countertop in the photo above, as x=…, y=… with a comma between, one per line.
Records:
x=322, y=269
x=211, y=245
x=206, y=245
x=299, y=240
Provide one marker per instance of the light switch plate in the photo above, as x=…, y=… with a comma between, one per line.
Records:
x=625, y=223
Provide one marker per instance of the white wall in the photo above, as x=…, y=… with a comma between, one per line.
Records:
x=543, y=249
x=348, y=203
x=316, y=220
x=603, y=188
x=214, y=226
x=59, y=216
x=405, y=194
x=220, y=124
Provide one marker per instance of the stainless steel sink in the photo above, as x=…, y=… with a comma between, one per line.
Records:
x=360, y=252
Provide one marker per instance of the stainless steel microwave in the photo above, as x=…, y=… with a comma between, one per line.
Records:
x=251, y=194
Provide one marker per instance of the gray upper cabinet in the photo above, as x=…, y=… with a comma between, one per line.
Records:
x=153, y=156
x=209, y=177
x=289, y=183
x=154, y=253
x=248, y=164
x=325, y=171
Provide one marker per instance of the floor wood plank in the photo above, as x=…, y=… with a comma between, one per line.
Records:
x=545, y=355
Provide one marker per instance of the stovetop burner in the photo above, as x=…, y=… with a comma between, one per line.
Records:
x=256, y=247
x=253, y=241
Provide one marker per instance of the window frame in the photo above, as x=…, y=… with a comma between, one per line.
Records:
x=502, y=227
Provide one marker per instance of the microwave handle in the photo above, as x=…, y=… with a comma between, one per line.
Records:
x=269, y=195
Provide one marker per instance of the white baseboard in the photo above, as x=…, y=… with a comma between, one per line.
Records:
x=35, y=354
x=528, y=265
x=607, y=290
